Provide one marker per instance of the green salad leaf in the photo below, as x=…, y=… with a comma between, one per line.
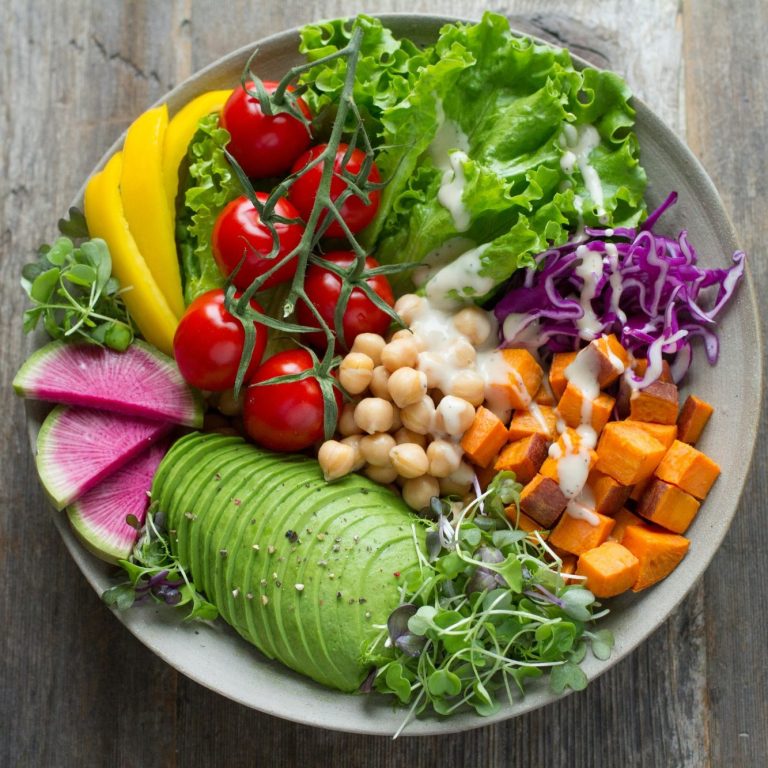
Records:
x=212, y=184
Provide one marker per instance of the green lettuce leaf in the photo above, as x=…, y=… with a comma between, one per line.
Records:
x=211, y=185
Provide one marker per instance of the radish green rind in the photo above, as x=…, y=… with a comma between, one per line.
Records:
x=314, y=540
x=141, y=381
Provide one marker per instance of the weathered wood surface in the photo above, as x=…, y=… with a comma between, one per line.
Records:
x=76, y=688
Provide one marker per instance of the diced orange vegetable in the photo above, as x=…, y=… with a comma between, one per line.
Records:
x=544, y=396
x=573, y=412
x=568, y=567
x=667, y=506
x=485, y=475
x=541, y=420
x=482, y=441
x=626, y=453
x=525, y=376
x=575, y=535
x=610, y=569
x=658, y=551
x=656, y=403
x=639, y=488
x=640, y=366
x=523, y=457
x=609, y=495
x=666, y=434
x=693, y=417
x=543, y=500
x=551, y=467
x=623, y=518
x=689, y=469
x=557, y=380
x=609, y=359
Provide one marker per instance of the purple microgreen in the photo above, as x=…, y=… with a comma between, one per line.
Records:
x=397, y=623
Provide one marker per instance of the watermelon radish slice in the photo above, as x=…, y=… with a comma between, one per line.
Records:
x=98, y=518
x=78, y=447
x=138, y=382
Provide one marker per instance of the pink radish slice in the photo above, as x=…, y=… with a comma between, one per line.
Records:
x=78, y=447
x=99, y=516
x=138, y=382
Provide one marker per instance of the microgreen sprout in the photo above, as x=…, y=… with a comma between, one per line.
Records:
x=484, y=614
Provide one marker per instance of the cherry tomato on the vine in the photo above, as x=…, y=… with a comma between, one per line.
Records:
x=361, y=315
x=263, y=145
x=209, y=341
x=353, y=210
x=239, y=232
x=287, y=416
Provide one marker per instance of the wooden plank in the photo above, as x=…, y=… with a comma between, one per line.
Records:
x=73, y=76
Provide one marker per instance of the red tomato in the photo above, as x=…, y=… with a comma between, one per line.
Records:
x=354, y=211
x=289, y=416
x=208, y=343
x=240, y=232
x=263, y=145
x=361, y=315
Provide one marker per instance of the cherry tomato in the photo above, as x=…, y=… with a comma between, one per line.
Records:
x=240, y=232
x=263, y=145
x=208, y=343
x=354, y=211
x=323, y=288
x=288, y=416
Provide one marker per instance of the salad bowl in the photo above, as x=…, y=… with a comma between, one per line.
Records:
x=214, y=656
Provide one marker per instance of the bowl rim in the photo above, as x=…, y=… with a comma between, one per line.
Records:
x=89, y=565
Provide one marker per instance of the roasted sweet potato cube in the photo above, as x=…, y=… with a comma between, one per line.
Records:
x=523, y=457
x=666, y=434
x=540, y=419
x=639, y=367
x=577, y=534
x=656, y=403
x=568, y=568
x=483, y=440
x=693, y=417
x=626, y=453
x=574, y=411
x=623, y=518
x=688, y=469
x=545, y=396
x=525, y=376
x=557, y=380
x=607, y=358
x=579, y=464
x=543, y=500
x=609, y=495
x=610, y=569
x=485, y=475
x=639, y=488
x=658, y=551
x=667, y=506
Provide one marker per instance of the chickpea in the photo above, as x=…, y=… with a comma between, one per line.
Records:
x=450, y=487
x=382, y=475
x=369, y=344
x=376, y=448
x=405, y=435
x=432, y=365
x=356, y=372
x=464, y=474
x=397, y=422
x=469, y=386
x=454, y=416
x=336, y=459
x=373, y=414
x=354, y=441
x=444, y=457
x=399, y=354
x=230, y=405
x=418, y=491
x=347, y=425
x=409, y=335
x=408, y=307
x=474, y=324
x=407, y=386
x=461, y=354
x=379, y=380
x=409, y=459
x=420, y=416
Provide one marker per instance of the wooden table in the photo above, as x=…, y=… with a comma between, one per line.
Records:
x=77, y=688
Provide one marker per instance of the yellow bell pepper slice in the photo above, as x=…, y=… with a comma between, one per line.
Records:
x=144, y=299
x=146, y=206
x=179, y=134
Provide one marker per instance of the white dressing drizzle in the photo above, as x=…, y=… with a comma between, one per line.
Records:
x=590, y=270
x=577, y=143
x=461, y=278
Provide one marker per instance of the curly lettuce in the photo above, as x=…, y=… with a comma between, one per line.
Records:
x=211, y=186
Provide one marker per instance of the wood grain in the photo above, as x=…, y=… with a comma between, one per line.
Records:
x=77, y=688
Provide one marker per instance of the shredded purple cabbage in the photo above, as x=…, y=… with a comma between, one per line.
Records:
x=651, y=294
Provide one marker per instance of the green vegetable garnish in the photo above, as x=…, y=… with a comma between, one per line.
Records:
x=486, y=610
x=73, y=291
